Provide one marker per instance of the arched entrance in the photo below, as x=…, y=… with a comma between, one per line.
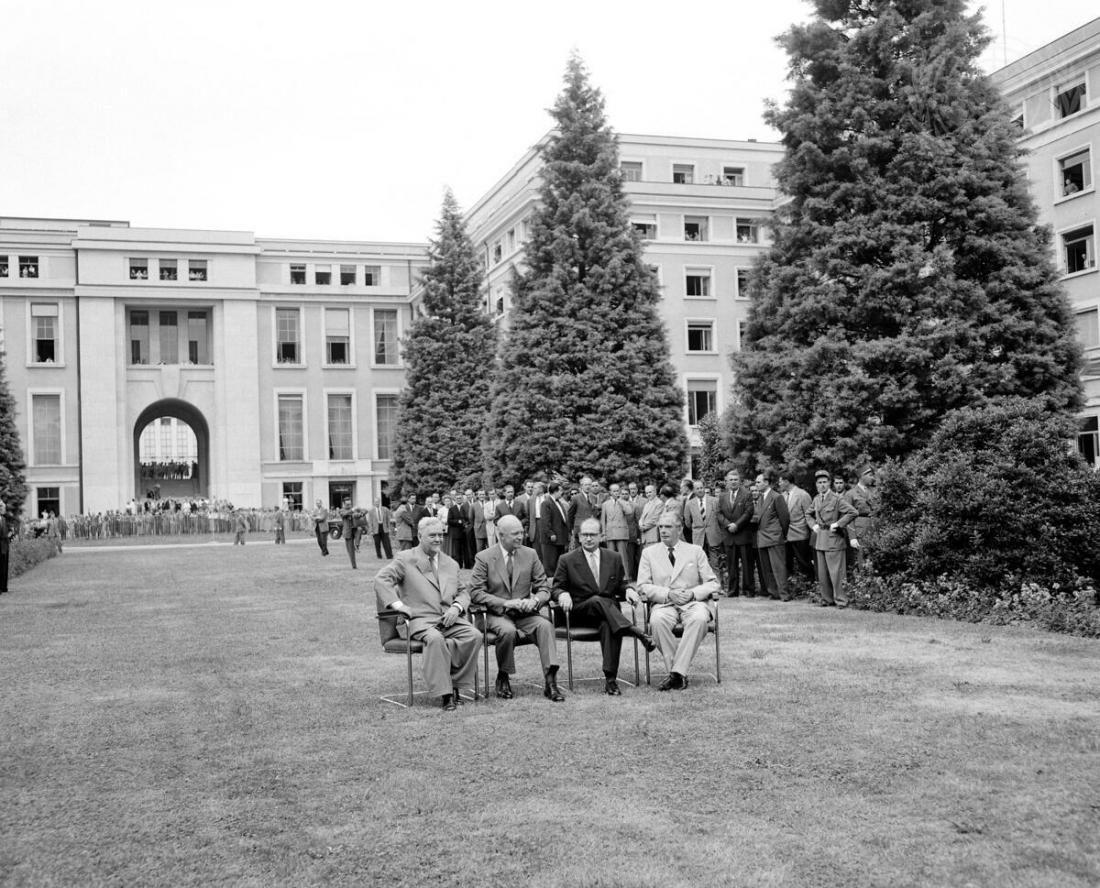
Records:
x=171, y=451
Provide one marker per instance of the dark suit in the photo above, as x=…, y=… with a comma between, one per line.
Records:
x=596, y=603
x=736, y=508
x=581, y=508
x=379, y=520
x=771, y=541
x=5, y=536
x=553, y=534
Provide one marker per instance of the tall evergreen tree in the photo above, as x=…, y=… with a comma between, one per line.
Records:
x=908, y=275
x=448, y=354
x=13, y=488
x=585, y=383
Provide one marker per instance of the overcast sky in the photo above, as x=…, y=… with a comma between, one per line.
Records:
x=347, y=120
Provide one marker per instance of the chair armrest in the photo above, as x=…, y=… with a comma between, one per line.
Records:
x=393, y=615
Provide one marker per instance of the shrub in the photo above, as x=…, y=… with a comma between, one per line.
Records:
x=25, y=554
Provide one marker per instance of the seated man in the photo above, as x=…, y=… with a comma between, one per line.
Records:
x=423, y=583
x=677, y=579
x=589, y=583
x=510, y=581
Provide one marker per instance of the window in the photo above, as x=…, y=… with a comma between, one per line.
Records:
x=702, y=396
x=167, y=268
x=347, y=275
x=1076, y=172
x=732, y=175
x=372, y=275
x=196, y=270
x=742, y=331
x=291, y=436
x=646, y=226
x=697, y=282
x=198, y=344
x=1070, y=99
x=48, y=499
x=743, y=277
x=700, y=336
x=322, y=274
x=683, y=173
x=28, y=266
x=287, y=336
x=139, y=269
x=631, y=170
x=695, y=228
x=385, y=422
x=3, y=266
x=292, y=493
x=510, y=240
x=46, y=410
x=139, y=337
x=1088, y=332
x=337, y=336
x=1079, y=250
x=498, y=307
x=44, y=345
x=297, y=274
x=385, y=336
x=498, y=252
x=746, y=232
x=1088, y=440
x=169, y=338
x=339, y=427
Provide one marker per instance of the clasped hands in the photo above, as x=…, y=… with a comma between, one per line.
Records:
x=565, y=600
x=523, y=605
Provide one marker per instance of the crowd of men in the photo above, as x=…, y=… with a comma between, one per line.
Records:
x=587, y=550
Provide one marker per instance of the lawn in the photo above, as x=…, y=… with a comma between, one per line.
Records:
x=211, y=715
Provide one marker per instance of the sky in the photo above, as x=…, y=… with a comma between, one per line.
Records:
x=347, y=120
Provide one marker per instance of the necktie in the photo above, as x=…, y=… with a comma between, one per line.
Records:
x=594, y=565
x=672, y=556
x=509, y=570
x=703, y=508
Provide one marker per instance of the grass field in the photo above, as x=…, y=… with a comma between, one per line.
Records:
x=211, y=715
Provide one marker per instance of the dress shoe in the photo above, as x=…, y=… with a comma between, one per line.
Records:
x=458, y=698
x=504, y=687
x=551, y=691
x=648, y=643
x=673, y=682
x=611, y=688
x=448, y=703
x=827, y=603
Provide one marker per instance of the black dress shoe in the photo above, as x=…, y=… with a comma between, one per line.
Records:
x=648, y=643
x=504, y=687
x=458, y=698
x=448, y=703
x=611, y=688
x=673, y=682
x=551, y=691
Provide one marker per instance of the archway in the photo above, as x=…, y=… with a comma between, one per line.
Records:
x=171, y=451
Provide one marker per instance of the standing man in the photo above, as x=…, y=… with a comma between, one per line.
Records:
x=480, y=528
x=581, y=507
x=637, y=503
x=862, y=498
x=490, y=507
x=320, y=525
x=829, y=515
x=771, y=536
x=6, y=533
x=615, y=517
x=553, y=527
x=534, y=505
x=647, y=520
x=736, y=508
x=347, y=515
x=589, y=584
x=799, y=503
x=241, y=523
x=676, y=578
x=408, y=520
x=280, y=526
x=695, y=515
x=510, y=581
x=423, y=584
x=379, y=521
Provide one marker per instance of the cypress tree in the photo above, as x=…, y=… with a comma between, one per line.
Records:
x=448, y=356
x=585, y=383
x=908, y=275
x=13, y=488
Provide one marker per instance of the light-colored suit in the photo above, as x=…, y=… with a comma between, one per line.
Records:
x=647, y=523
x=490, y=586
x=656, y=578
x=450, y=652
x=615, y=518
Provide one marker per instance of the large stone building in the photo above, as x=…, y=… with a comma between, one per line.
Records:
x=1056, y=92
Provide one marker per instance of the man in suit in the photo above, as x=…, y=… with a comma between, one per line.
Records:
x=6, y=533
x=695, y=515
x=320, y=525
x=736, y=509
x=829, y=515
x=480, y=525
x=379, y=520
x=582, y=507
x=510, y=581
x=862, y=498
x=348, y=515
x=522, y=504
x=677, y=579
x=553, y=527
x=712, y=536
x=799, y=503
x=637, y=503
x=508, y=504
x=771, y=535
x=535, y=504
x=615, y=517
x=589, y=583
x=647, y=520
x=423, y=583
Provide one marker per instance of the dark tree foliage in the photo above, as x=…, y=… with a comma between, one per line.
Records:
x=585, y=383
x=13, y=489
x=448, y=356
x=908, y=275
x=993, y=499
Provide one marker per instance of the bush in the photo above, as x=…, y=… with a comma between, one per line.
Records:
x=25, y=554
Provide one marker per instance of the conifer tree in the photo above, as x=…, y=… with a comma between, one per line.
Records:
x=448, y=355
x=585, y=383
x=908, y=275
x=13, y=489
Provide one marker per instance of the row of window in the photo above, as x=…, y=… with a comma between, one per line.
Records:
x=349, y=275
x=506, y=245
x=684, y=174
x=698, y=229
x=168, y=269
x=27, y=265
x=339, y=348
x=339, y=426
x=1079, y=249
x=164, y=337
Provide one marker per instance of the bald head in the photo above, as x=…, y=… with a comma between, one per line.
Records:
x=510, y=532
x=509, y=523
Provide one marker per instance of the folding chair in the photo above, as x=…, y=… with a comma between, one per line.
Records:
x=394, y=643
x=563, y=628
x=678, y=631
x=489, y=639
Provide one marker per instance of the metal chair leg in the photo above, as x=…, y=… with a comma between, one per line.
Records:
x=409, y=662
x=647, y=609
x=569, y=648
x=717, y=648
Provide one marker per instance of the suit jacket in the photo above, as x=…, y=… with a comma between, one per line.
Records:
x=535, y=506
x=581, y=508
x=828, y=508
x=738, y=512
x=656, y=576
x=774, y=520
x=375, y=526
x=634, y=516
x=410, y=580
x=516, y=508
x=408, y=520
x=574, y=576
x=647, y=523
x=799, y=504
x=615, y=519
x=5, y=534
x=479, y=518
x=489, y=581
x=862, y=500
x=694, y=521
x=553, y=529
x=710, y=528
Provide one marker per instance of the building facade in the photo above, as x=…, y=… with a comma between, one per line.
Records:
x=1056, y=93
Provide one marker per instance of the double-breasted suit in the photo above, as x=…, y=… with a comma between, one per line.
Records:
x=553, y=532
x=736, y=508
x=829, y=511
x=771, y=542
x=596, y=599
x=450, y=652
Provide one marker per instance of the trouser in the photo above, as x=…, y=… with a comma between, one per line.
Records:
x=623, y=548
x=831, y=567
x=482, y=544
x=534, y=626
x=773, y=570
x=714, y=558
x=239, y=538
x=3, y=573
x=549, y=555
x=450, y=656
x=490, y=533
x=357, y=536
x=740, y=561
x=349, y=544
x=800, y=558
x=382, y=542
x=280, y=536
x=679, y=652
x=604, y=614
x=321, y=532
